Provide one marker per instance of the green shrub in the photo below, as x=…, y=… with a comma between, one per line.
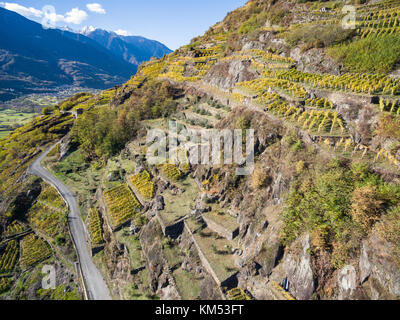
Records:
x=103, y=132
x=60, y=240
x=75, y=100
x=255, y=22
x=300, y=166
x=242, y=123
x=318, y=36
x=388, y=127
x=337, y=206
x=371, y=54
x=389, y=230
x=48, y=110
x=293, y=141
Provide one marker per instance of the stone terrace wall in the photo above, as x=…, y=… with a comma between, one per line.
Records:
x=228, y=234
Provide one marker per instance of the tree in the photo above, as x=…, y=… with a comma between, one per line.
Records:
x=259, y=178
x=103, y=132
x=366, y=207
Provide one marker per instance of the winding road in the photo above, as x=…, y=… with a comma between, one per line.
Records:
x=96, y=286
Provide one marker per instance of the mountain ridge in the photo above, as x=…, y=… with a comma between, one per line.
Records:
x=133, y=49
x=33, y=58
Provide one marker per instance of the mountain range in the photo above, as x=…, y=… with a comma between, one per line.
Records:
x=133, y=49
x=34, y=59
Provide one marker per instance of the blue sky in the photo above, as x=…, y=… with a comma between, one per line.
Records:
x=173, y=22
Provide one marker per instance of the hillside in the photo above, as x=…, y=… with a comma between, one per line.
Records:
x=321, y=208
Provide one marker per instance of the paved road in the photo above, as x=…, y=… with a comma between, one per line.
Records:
x=95, y=284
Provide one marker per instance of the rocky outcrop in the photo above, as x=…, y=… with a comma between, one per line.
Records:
x=160, y=278
x=152, y=250
x=249, y=45
x=66, y=146
x=347, y=282
x=314, y=61
x=226, y=74
x=269, y=39
x=114, y=176
x=378, y=269
x=297, y=267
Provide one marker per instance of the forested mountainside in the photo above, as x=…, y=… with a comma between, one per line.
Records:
x=321, y=208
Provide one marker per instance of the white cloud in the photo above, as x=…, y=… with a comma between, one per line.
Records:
x=48, y=13
x=75, y=16
x=53, y=17
x=26, y=12
x=121, y=32
x=96, y=7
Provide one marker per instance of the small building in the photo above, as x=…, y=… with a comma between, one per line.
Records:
x=77, y=112
x=325, y=9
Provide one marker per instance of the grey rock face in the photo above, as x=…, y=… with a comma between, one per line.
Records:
x=347, y=282
x=365, y=265
x=65, y=146
x=376, y=263
x=269, y=40
x=298, y=270
x=113, y=176
x=226, y=74
x=253, y=45
x=158, y=203
x=315, y=61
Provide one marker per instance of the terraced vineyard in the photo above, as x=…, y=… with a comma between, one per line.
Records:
x=34, y=250
x=237, y=294
x=8, y=258
x=388, y=105
x=5, y=284
x=142, y=182
x=285, y=86
x=190, y=67
x=51, y=197
x=95, y=227
x=47, y=219
x=333, y=111
x=269, y=56
x=322, y=121
x=267, y=98
x=122, y=205
x=321, y=103
x=171, y=172
x=357, y=83
x=379, y=21
x=15, y=228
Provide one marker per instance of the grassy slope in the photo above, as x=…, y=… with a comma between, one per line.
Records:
x=13, y=119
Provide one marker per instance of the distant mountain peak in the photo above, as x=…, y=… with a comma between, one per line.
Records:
x=87, y=30
x=133, y=49
x=66, y=28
